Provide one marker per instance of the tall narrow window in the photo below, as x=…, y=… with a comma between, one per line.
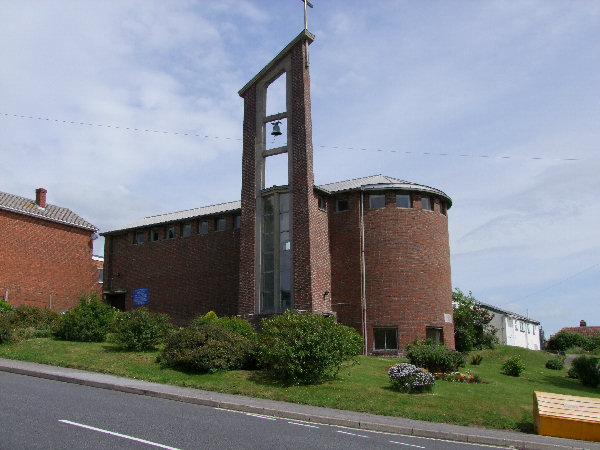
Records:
x=268, y=256
x=139, y=237
x=186, y=229
x=220, y=224
x=276, y=254
x=203, y=227
x=426, y=203
x=154, y=234
x=170, y=232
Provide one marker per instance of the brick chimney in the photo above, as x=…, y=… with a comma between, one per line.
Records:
x=40, y=197
x=582, y=323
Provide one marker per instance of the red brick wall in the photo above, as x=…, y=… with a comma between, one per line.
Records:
x=247, y=261
x=310, y=248
x=40, y=259
x=185, y=276
x=407, y=259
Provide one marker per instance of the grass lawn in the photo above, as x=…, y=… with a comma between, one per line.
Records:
x=502, y=402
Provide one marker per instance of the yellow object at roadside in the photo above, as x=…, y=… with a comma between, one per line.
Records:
x=566, y=416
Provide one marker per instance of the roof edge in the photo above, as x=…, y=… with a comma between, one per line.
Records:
x=304, y=35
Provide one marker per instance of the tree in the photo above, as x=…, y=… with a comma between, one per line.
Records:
x=472, y=329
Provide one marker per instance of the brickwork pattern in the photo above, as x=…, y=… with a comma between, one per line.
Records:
x=247, y=261
x=43, y=262
x=407, y=259
x=185, y=276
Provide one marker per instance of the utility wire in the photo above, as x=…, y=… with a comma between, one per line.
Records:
x=148, y=130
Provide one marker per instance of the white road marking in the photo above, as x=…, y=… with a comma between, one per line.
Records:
x=112, y=433
x=353, y=434
x=404, y=443
x=260, y=416
x=303, y=424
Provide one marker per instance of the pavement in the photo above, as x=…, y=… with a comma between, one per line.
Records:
x=314, y=414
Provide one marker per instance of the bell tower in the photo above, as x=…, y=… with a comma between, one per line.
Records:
x=284, y=245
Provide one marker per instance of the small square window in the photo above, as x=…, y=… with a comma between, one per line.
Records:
x=203, y=227
x=377, y=201
x=170, y=232
x=154, y=234
x=403, y=201
x=139, y=237
x=186, y=229
x=436, y=334
x=341, y=204
x=220, y=224
x=237, y=222
x=322, y=203
x=386, y=338
x=426, y=203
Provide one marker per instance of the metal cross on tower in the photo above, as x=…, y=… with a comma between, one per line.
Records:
x=306, y=3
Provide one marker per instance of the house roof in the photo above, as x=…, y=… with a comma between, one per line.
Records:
x=505, y=312
x=583, y=331
x=53, y=213
x=374, y=182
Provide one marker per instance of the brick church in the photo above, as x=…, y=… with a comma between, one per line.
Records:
x=374, y=251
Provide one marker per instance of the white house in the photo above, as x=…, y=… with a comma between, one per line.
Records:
x=514, y=329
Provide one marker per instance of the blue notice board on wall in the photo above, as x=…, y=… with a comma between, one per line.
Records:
x=140, y=297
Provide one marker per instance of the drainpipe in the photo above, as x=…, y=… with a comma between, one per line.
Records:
x=363, y=274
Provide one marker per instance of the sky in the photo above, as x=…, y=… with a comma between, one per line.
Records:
x=128, y=109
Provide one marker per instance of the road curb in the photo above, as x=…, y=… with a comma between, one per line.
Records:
x=161, y=391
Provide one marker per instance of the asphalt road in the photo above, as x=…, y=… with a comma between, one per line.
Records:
x=39, y=413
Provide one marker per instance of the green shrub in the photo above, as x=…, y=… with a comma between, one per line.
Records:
x=410, y=379
x=587, y=370
x=563, y=340
x=433, y=357
x=6, y=329
x=305, y=348
x=4, y=306
x=591, y=343
x=556, y=363
x=476, y=359
x=32, y=321
x=206, y=348
x=90, y=321
x=140, y=329
x=572, y=373
x=513, y=366
x=234, y=324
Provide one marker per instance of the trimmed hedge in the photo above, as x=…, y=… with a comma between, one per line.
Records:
x=587, y=370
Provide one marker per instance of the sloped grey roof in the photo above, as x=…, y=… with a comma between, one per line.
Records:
x=505, y=312
x=372, y=182
x=375, y=182
x=182, y=215
x=53, y=213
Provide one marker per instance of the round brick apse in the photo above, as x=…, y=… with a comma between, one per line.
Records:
x=407, y=285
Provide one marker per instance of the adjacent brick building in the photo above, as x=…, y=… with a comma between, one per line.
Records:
x=45, y=253
x=374, y=251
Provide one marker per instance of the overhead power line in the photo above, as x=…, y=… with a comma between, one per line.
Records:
x=332, y=147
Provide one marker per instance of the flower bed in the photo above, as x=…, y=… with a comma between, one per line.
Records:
x=458, y=377
x=408, y=378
